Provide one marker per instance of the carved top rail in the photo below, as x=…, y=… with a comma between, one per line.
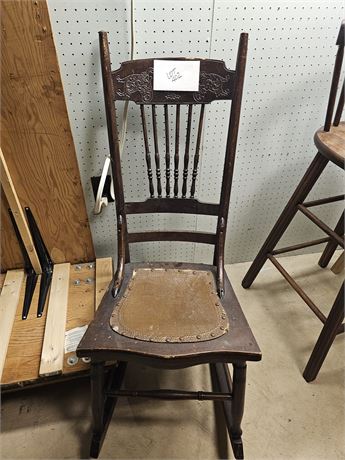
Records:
x=134, y=81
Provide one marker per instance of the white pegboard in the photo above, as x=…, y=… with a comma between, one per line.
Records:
x=290, y=59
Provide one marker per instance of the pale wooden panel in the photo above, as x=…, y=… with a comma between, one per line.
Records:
x=36, y=135
x=81, y=307
x=104, y=274
x=54, y=334
x=18, y=213
x=9, y=299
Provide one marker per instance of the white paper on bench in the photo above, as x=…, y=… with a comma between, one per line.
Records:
x=73, y=337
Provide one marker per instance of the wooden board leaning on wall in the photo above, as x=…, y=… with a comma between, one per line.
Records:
x=36, y=137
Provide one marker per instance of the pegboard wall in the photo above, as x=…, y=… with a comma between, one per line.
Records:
x=290, y=62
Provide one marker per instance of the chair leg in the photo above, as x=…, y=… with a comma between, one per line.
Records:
x=237, y=407
x=98, y=397
x=103, y=406
x=233, y=410
x=332, y=245
x=308, y=181
x=326, y=338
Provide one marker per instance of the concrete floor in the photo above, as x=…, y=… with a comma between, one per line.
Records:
x=285, y=418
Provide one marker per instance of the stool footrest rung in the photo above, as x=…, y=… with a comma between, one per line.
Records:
x=171, y=395
x=321, y=225
x=301, y=246
x=331, y=199
x=297, y=288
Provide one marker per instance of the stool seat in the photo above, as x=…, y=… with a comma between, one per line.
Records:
x=332, y=143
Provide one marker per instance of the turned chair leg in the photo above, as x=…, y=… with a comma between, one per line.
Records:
x=332, y=244
x=308, y=181
x=237, y=407
x=326, y=338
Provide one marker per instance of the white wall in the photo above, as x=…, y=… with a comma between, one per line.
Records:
x=290, y=61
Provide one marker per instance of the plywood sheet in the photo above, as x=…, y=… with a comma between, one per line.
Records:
x=36, y=136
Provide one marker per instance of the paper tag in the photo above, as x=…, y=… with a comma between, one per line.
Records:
x=73, y=337
x=176, y=75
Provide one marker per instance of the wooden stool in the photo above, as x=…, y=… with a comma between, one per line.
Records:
x=330, y=142
x=170, y=315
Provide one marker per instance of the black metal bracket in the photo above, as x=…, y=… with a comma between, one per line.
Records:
x=31, y=275
x=45, y=260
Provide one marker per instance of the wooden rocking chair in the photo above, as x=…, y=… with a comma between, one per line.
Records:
x=170, y=315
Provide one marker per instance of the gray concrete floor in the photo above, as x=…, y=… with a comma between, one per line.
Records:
x=285, y=418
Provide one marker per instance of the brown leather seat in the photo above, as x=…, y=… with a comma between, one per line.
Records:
x=170, y=305
x=332, y=143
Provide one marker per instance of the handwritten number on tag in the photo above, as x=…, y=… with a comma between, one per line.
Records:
x=173, y=75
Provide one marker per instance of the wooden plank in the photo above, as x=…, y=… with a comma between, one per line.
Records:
x=81, y=307
x=104, y=274
x=18, y=214
x=36, y=135
x=54, y=335
x=9, y=300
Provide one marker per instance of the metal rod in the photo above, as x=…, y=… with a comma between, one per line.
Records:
x=300, y=246
x=321, y=224
x=298, y=289
x=331, y=199
x=171, y=395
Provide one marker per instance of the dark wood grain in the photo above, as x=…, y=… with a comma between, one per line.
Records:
x=157, y=157
x=197, y=151
x=177, y=149
x=147, y=151
x=186, y=152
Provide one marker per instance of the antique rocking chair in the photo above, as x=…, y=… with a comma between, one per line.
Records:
x=170, y=315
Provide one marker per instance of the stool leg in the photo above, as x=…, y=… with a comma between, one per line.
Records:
x=237, y=407
x=332, y=245
x=326, y=338
x=98, y=400
x=308, y=181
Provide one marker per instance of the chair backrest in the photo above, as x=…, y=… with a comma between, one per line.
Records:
x=133, y=81
x=334, y=85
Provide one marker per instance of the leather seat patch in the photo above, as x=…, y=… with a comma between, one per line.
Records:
x=170, y=305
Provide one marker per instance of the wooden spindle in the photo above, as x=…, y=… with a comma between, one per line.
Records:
x=177, y=145
x=167, y=150
x=186, y=152
x=147, y=151
x=197, y=151
x=157, y=160
x=340, y=107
